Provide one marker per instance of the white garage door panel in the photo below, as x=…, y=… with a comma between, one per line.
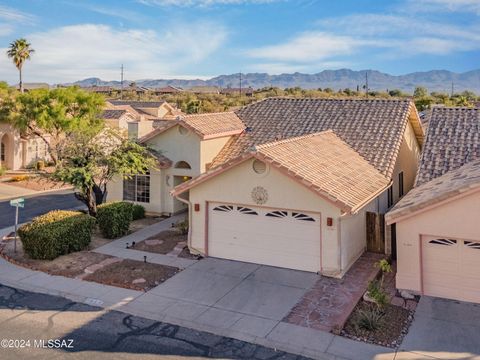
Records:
x=451, y=268
x=251, y=236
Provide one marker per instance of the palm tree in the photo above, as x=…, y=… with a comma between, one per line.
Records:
x=19, y=51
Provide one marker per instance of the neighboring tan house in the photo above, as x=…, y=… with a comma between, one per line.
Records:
x=18, y=152
x=187, y=146
x=148, y=110
x=294, y=188
x=169, y=89
x=248, y=91
x=104, y=90
x=438, y=222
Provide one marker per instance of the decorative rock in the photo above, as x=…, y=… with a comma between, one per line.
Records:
x=406, y=295
x=153, y=242
x=139, y=281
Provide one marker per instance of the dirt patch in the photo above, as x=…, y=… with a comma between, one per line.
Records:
x=130, y=274
x=393, y=325
x=39, y=183
x=70, y=265
x=163, y=242
x=186, y=254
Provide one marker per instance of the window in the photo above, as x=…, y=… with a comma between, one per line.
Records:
x=2, y=153
x=400, y=184
x=304, y=217
x=182, y=165
x=277, y=213
x=259, y=166
x=390, y=197
x=245, y=210
x=447, y=242
x=137, y=188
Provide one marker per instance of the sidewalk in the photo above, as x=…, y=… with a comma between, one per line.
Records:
x=8, y=192
x=118, y=248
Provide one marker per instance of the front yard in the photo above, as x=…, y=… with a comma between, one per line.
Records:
x=92, y=266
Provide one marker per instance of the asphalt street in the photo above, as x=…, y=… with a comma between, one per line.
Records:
x=38, y=326
x=37, y=205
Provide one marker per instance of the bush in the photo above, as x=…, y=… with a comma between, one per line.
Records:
x=2, y=170
x=114, y=218
x=18, y=178
x=56, y=233
x=377, y=293
x=138, y=212
x=182, y=226
x=370, y=318
x=40, y=165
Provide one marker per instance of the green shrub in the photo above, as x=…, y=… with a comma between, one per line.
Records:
x=377, y=293
x=2, y=170
x=56, y=233
x=114, y=218
x=370, y=318
x=138, y=212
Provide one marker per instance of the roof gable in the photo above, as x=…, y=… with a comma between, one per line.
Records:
x=374, y=128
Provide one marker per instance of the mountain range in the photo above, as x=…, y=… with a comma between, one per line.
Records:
x=435, y=80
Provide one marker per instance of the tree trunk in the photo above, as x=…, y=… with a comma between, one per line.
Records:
x=88, y=198
x=20, y=84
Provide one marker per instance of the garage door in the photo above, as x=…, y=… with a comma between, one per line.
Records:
x=276, y=237
x=451, y=268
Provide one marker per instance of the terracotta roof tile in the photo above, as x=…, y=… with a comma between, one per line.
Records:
x=452, y=140
x=452, y=183
x=322, y=162
x=374, y=128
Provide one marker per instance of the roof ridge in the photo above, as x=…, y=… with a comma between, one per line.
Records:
x=293, y=139
x=206, y=114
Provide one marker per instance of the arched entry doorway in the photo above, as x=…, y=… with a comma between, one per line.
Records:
x=5, y=151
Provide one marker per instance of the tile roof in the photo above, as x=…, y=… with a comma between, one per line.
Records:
x=207, y=126
x=322, y=162
x=113, y=114
x=446, y=186
x=374, y=128
x=138, y=104
x=452, y=140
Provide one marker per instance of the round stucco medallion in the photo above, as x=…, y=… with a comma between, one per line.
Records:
x=259, y=195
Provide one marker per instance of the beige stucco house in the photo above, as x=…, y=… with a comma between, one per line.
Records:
x=294, y=187
x=438, y=222
x=18, y=152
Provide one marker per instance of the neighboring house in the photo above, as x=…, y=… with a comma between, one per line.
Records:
x=237, y=91
x=18, y=152
x=118, y=118
x=149, y=110
x=104, y=90
x=204, y=90
x=187, y=146
x=290, y=183
x=169, y=89
x=438, y=222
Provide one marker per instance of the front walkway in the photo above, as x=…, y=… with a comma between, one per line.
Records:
x=118, y=248
x=328, y=304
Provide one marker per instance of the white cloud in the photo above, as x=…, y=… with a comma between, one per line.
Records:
x=74, y=52
x=306, y=47
x=202, y=3
x=286, y=68
x=445, y=5
x=14, y=15
x=5, y=29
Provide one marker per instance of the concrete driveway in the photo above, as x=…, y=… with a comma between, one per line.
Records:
x=444, y=329
x=230, y=294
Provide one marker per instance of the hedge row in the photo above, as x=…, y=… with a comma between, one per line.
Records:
x=114, y=218
x=56, y=233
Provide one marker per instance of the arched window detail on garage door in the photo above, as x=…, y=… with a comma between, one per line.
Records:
x=245, y=210
x=472, y=244
x=224, y=208
x=447, y=242
x=277, y=214
x=304, y=217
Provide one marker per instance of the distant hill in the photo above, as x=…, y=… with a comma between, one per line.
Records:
x=435, y=80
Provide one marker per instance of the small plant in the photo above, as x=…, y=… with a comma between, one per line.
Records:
x=18, y=178
x=138, y=212
x=370, y=318
x=182, y=226
x=384, y=267
x=40, y=165
x=376, y=292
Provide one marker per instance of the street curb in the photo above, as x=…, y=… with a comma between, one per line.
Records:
x=36, y=193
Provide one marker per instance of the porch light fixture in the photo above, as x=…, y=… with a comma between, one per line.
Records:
x=329, y=221
x=196, y=207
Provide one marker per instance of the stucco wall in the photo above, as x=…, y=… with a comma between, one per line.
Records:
x=209, y=149
x=455, y=219
x=235, y=186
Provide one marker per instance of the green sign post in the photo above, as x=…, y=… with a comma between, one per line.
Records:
x=17, y=203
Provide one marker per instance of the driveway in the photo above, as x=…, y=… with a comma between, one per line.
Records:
x=239, y=296
x=445, y=329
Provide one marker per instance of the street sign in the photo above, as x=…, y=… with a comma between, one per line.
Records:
x=20, y=202
x=16, y=203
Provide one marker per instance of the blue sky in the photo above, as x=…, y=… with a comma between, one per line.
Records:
x=75, y=39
